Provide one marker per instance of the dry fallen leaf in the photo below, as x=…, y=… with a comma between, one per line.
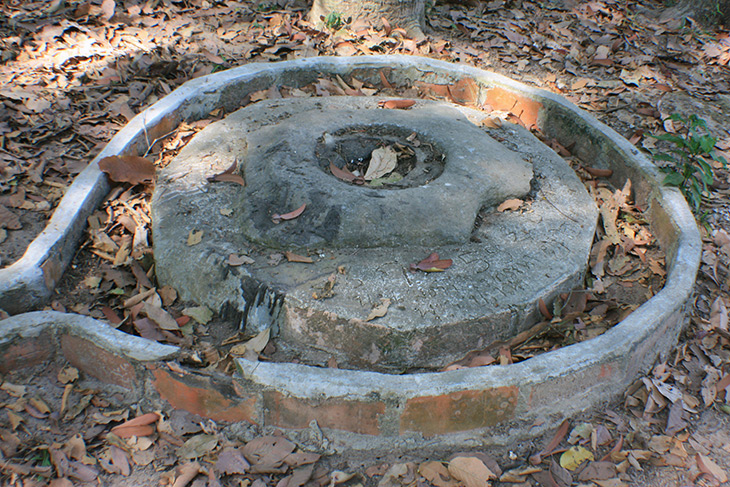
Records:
x=231, y=461
x=574, y=456
x=235, y=260
x=471, y=471
x=344, y=174
x=382, y=163
x=437, y=474
x=396, y=104
x=707, y=466
x=512, y=204
x=256, y=345
x=277, y=218
x=379, y=310
x=432, y=263
x=292, y=257
x=128, y=169
x=139, y=426
x=195, y=237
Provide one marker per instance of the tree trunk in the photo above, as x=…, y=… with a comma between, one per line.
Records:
x=709, y=13
x=406, y=14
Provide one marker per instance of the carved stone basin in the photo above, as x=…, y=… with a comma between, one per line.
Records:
x=445, y=202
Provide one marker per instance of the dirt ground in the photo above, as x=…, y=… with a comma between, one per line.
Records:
x=73, y=73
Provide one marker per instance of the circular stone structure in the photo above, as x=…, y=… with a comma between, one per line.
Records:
x=365, y=237
x=344, y=410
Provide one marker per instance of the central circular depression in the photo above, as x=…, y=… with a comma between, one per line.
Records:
x=419, y=161
x=364, y=238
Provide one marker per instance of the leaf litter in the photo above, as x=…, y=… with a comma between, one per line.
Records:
x=32, y=184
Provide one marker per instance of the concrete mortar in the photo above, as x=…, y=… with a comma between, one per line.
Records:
x=540, y=391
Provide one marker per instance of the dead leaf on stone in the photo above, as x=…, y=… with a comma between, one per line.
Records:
x=432, y=263
x=380, y=310
x=201, y=314
x=277, y=218
x=396, y=104
x=228, y=176
x=235, y=260
x=382, y=162
x=471, y=471
x=292, y=257
x=512, y=204
x=255, y=345
x=195, y=237
x=342, y=174
x=128, y=169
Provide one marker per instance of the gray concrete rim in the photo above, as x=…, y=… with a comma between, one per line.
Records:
x=630, y=347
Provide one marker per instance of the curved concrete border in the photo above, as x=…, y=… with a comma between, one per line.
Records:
x=477, y=406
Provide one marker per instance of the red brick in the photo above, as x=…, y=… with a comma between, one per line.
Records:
x=26, y=352
x=201, y=396
x=458, y=411
x=292, y=412
x=525, y=109
x=98, y=362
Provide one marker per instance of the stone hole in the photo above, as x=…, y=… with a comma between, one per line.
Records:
x=420, y=159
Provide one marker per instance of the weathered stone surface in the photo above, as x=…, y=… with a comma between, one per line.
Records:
x=504, y=262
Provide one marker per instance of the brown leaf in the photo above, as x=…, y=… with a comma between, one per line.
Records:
x=471, y=471
x=9, y=220
x=128, y=169
x=229, y=178
x=512, y=204
x=709, y=467
x=107, y=9
x=277, y=218
x=397, y=104
x=160, y=316
x=292, y=257
x=379, y=310
x=382, y=162
x=599, y=173
x=384, y=80
x=432, y=263
x=598, y=471
x=186, y=473
x=267, y=453
x=544, y=310
x=342, y=174
x=120, y=460
x=235, y=260
x=554, y=442
x=139, y=426
x=437, y=474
